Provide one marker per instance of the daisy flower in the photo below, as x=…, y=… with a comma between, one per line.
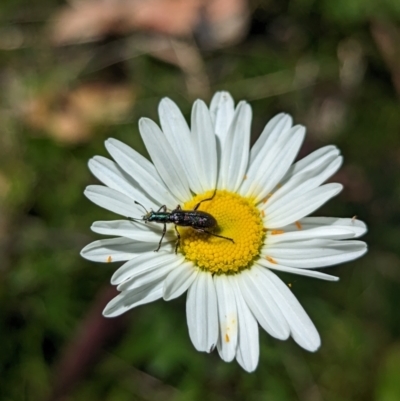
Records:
x=259, y=199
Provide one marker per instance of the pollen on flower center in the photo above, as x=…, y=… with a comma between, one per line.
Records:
x=237, y=218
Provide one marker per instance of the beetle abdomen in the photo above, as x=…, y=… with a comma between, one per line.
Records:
x=195, y=219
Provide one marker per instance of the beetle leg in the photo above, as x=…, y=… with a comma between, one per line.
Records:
x=163, y=208
x=162, y=236
x=178, y=241
x=200, y=230
x=204, y=200
x=178, y=207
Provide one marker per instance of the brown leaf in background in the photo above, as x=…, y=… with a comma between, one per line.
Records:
x=71, y=118
x=215, y=23
x=101, y=102
x=173, y=25
x=94, y=19
x=61, y=123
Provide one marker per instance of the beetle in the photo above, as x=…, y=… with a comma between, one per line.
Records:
x=200, y=221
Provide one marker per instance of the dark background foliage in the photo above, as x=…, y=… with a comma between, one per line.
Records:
x=75, y=73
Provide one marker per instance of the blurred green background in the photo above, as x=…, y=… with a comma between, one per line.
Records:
x=73, y=73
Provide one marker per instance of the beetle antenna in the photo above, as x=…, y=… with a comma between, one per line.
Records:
x=141, y=206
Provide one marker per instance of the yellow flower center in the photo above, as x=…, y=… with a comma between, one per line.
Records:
x=237, y=218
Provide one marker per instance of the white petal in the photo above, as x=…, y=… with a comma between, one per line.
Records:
x=235, y=153
x=269, y=145
x=114, y=177
x=302, y=328
x=356, y=227
x=315, y=253
x=275, y=167
x=112, y=200
x=319, y=227
x=179, y=280
x=228, y=320
x=130, y=299
x=297, y=208
x=179, y=136
x=248, y=349
x=268, y=151
x=302, y=183
x=142, y=262
x=328, y=232
x=142, y=171
x=222, y=111
x=138, y=231
x=164, y=158
x=295, y=270
x=204, y=145
x=262, y=305
x=313, y=161
x=146, y=273
x=114, y=250
x=202, y=313
x=276, y=127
